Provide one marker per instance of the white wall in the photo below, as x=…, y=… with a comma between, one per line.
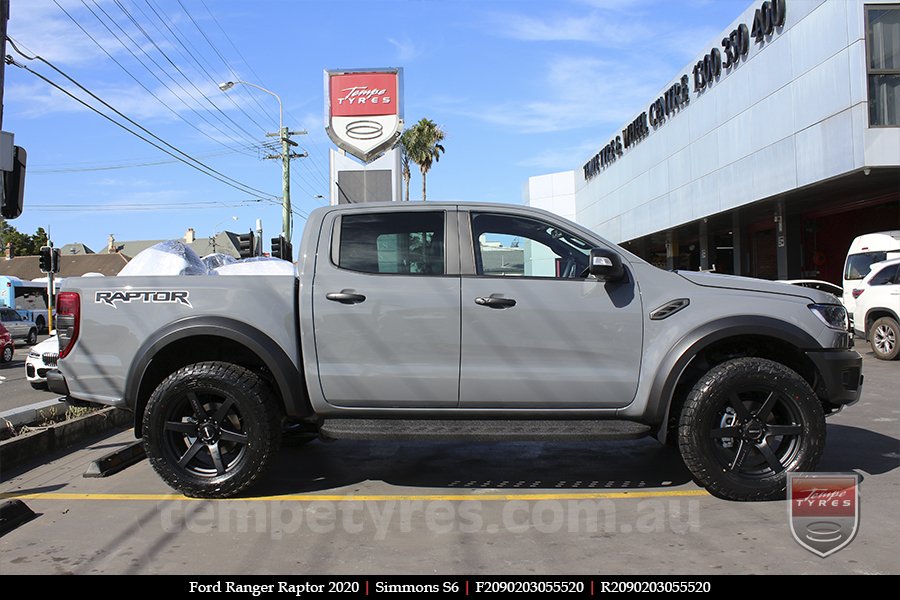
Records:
x=792, y=113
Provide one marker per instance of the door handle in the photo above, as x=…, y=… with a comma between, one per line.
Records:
x=345, y=297
x=495, y=302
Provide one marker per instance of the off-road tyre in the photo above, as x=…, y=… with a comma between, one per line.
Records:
x=746, y=424
x=211, y=429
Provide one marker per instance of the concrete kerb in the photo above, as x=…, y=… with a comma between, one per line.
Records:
x=57, y=436
x=34, y=413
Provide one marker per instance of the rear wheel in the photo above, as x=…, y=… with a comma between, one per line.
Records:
x=211, y=429
x=41, y=324
x=31, y=338
x=7, y=354
x=884, y=336
x=746, y=424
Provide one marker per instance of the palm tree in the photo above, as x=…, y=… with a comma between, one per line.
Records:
x=405, y=141
x=423, y=146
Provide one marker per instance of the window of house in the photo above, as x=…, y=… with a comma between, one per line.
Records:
x=883, y=63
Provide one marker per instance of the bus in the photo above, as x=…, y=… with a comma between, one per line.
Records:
x=28, y=298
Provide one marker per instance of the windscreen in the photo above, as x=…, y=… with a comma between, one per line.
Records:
x=859, y=265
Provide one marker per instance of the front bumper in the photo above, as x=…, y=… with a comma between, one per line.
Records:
x=840, y=375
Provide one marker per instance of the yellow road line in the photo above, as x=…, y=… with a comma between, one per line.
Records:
x=492, y=497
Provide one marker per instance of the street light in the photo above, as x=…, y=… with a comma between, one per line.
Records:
x=286, y=155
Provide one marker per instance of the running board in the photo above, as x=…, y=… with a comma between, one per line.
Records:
x=481, y=430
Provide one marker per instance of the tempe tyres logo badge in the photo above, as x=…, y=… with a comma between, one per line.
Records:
x=363, y=110
x=823, y=510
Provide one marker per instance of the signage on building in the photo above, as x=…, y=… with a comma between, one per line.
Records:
x=736, y=45
x=363, y=110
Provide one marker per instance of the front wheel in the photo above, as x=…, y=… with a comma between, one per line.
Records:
x=7, y=354
x=211, y=429
x=746, y=424
x=31, y=338
x=40, y=324
x=884, y=336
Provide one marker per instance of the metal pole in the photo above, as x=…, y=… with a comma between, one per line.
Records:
x=286, y=183
x=50, y=288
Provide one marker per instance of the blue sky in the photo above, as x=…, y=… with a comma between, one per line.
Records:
x=521, y=88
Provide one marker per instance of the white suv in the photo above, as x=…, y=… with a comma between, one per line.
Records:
x=877, y=314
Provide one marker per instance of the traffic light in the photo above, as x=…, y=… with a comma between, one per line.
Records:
x=247, y=245
x=46, y=259
x=13, y=189
x=281, y=248
x=49, y=259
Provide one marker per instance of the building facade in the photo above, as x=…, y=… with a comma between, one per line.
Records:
x=765, y=156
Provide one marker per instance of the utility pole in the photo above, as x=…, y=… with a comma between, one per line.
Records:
x=286, y=155
x=4, y=17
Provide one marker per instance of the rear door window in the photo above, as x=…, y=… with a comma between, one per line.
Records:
x=408, y=243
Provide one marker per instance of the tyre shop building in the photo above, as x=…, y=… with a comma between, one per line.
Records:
x=765, y=156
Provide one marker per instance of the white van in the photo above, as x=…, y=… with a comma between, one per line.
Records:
x=865, y=251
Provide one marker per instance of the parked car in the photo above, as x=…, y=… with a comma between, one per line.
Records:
x=824, y=286
x=41, y=358
x=7, y=347
x=878, y=309
x=865, y=251
x=18, y=326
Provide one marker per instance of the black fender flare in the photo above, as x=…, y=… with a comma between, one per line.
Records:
x=689, y=346
x=285, y=373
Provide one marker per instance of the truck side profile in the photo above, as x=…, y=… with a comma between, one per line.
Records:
x=461, y=321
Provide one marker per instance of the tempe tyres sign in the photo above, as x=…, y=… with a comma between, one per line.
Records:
x=363, y=111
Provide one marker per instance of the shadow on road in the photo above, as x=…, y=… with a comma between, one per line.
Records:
x=853, y=448
x=447, y=466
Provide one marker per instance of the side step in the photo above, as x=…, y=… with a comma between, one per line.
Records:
x=481, y=430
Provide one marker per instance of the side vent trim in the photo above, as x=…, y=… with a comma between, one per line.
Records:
x=668, y=309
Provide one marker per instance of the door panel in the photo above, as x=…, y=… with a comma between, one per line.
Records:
x=564, y=344
x=399, y=347
x=535, y=332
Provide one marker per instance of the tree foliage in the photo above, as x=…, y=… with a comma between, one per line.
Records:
x=422, y=145
x=22, y=243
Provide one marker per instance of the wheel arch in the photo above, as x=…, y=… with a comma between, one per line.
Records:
x=716, y=341
x=873, y=314
x=198, y=339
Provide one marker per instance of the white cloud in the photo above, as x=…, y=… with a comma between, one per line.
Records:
x=559, y=158
x=44, y=29
x=600, y=28
x=406, y=49
x=585, y=92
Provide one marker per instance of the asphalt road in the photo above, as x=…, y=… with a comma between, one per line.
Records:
x=15, y=391
x=457, y=508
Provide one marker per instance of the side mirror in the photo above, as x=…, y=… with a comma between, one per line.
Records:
x=606, y=265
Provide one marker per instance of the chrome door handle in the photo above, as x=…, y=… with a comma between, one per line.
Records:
x=346, y=297
x=495, y=302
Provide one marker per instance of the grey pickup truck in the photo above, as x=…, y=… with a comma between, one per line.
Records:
x=438, y=321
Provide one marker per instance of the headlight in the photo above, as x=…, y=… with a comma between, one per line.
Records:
x=33, y=354
x=833, y=315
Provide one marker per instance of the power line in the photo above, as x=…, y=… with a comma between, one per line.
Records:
x=320, y=170
x=179, y=70
x=239, y=53
x=233, y=136
x=203, y=168
x=190, y=56
x=110, y=166
x=131, y=208
x=241, y=148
